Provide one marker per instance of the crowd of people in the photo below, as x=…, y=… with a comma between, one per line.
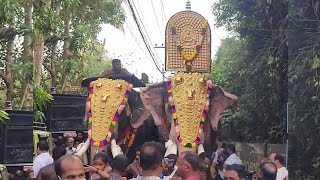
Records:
x=150, y=163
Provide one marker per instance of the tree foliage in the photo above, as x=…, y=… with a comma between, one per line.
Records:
x=253, y=65
x=304, y=83
x=56, y=39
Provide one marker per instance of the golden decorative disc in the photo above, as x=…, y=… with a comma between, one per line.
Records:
x=107, y=96
x=189, y=91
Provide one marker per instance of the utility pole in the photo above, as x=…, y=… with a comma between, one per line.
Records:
x=162, y=70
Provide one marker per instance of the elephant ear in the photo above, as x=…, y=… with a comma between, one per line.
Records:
x=150, y=99
x=154, y=99
x=219, y=101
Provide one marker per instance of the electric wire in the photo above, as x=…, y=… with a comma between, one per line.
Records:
x=143, y=36
x=164, y=17
x=132, y=33
x=155, y=15
x=146, y=33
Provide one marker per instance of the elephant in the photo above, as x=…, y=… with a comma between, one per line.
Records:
x=155, y=99
x=135, y=118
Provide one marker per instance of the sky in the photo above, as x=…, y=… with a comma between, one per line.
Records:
x=129, y=47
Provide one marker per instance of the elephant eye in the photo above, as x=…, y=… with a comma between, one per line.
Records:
x=140, y=109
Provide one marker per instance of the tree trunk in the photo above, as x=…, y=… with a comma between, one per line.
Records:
x=64, y=82
x=39, y=50
x=53, y=65
x=24, y=97
x=53, y=71
x=27, y=50
x=38, y=53
x=66, y=52
x=9, y=66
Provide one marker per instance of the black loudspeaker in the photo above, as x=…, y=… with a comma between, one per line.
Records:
x=16, y=138
x=66, y=113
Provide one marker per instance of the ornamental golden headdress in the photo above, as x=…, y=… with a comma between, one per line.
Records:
x=188, y=51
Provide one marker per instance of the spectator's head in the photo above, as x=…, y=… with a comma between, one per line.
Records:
x=205, y=161
x=80, y=135
x=58, y=152
x=188, y=163
x=230, y=149
x=60, y=141
x=137, y=159
x=116, y=64
x=77, y=141
x=169, y=163
x=271, y=157
x=101, y=160
x=42, y=146
x=223, y=145
x=222, y=157
x=235, y=172
x=69, y=167
x=268, y=171
x=278, y=159
x=151, y=157
x=120, y=164
x=70, y=142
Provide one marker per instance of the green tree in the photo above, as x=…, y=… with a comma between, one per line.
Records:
x=253, y=65
x=58, y=35
x=10, y=14
x=304, y=83
x=3, y=115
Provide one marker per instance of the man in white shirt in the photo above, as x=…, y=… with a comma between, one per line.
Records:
x=232, y=157
x=82, y=144
x=70, y=149
x=43, y=158
x=279, y=160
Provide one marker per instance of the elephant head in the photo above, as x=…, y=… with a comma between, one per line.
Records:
x=155, y=99
x=110, y=107
x=135, y=114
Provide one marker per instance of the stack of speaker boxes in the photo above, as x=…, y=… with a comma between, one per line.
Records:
x=66, y=113
x=16, y=138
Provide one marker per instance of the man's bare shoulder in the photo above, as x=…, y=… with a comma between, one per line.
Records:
x=125, y=72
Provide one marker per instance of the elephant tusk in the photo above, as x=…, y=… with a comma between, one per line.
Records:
x=115, y=149
x=171, y=148
x=200, y=149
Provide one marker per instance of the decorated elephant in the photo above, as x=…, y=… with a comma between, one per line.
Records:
x=112, y=107
x=192, y=107
x=187, y=107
